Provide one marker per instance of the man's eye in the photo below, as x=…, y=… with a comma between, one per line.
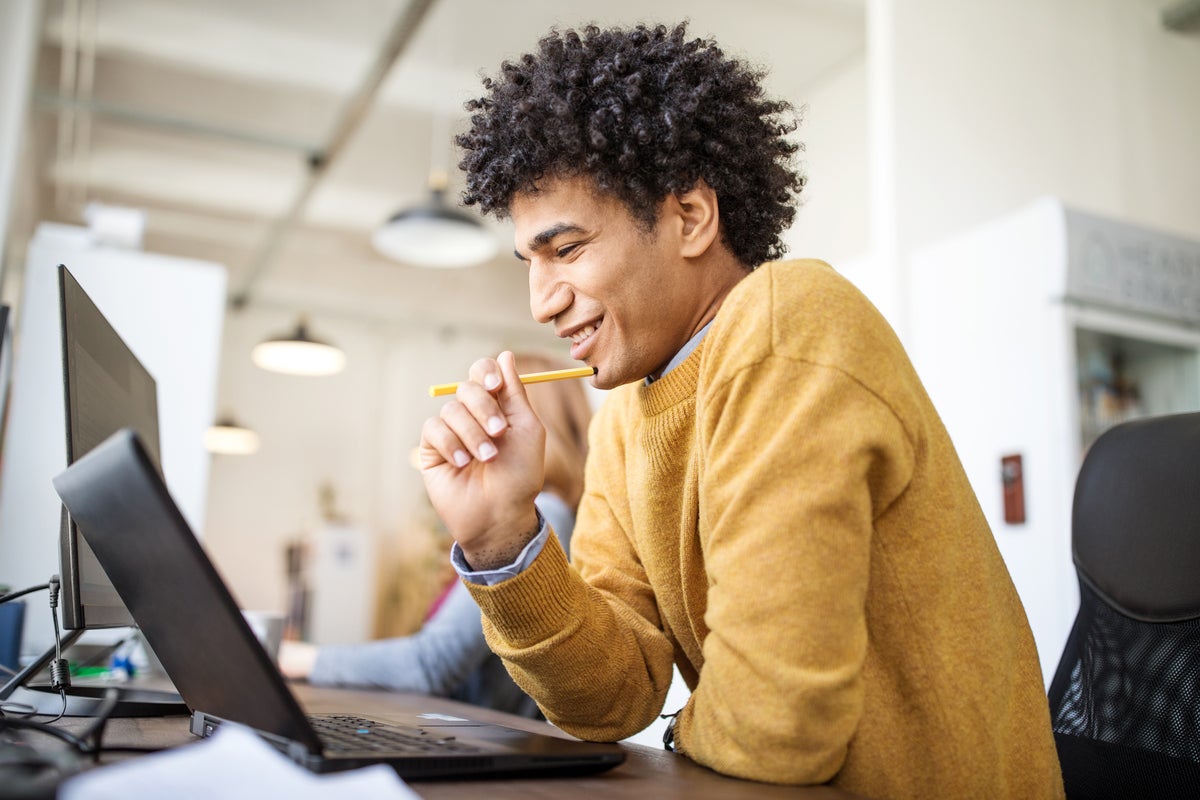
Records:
x=566, y=250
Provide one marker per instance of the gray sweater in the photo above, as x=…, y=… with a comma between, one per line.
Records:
x=448, y=657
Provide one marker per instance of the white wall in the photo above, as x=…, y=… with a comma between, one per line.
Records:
x=18, y=45
x=832, y=222
x=987, y=106
x=997, y=103
x=354, y=430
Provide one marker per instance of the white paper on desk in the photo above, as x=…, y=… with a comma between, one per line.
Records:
x=234, y=764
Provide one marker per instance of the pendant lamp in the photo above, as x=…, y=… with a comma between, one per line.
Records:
x=298, y=353
x=435, y=234
x=227, y=437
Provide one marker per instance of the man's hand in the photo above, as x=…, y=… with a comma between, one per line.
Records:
x=296, y=659
x=483, y=461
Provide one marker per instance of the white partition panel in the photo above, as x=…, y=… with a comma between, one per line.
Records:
x=170, y=313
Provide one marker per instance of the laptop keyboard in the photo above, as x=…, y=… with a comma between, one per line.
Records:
x=342, y=733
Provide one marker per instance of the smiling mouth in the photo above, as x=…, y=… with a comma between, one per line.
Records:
x=583, y=334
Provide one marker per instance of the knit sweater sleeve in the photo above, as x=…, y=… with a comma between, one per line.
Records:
x=800, y=458
x=439, y=657
x=591, y=652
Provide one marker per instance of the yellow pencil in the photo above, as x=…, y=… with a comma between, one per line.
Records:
x=441, y=389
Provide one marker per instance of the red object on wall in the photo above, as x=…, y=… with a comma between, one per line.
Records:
x=1012, y=477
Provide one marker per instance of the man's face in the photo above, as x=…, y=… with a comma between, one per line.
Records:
x=624, y=297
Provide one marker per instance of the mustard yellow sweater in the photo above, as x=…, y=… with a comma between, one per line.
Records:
x=784, y=517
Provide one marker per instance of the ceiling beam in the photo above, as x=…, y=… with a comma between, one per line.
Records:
x=353, y=113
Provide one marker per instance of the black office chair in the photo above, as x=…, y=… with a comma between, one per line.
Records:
x=1125, y=700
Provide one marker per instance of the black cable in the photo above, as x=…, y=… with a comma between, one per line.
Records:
x=32, y=770
x=34, y=774
x=103, y=712
x=60, y=679
x=37, y=773
x=42, y=727
x=19, y=708
x=23, y=592
x=79, y=741
x=60, y=671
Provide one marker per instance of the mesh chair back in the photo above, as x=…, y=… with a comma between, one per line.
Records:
x=1125, y=700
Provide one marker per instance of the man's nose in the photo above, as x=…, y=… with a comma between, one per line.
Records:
x=548, y=297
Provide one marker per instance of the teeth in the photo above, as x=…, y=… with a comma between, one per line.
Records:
x=583, y=333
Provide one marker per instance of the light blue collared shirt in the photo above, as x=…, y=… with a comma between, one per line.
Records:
x=683, y=353
x=491, y=577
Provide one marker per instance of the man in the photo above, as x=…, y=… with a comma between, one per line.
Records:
x=771, y=502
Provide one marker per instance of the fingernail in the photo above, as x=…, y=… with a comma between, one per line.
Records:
x=495, y=425
x=461, y=459
x=491, y=381
x=487, y=451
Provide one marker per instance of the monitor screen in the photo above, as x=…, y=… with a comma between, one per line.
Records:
x=106, y=389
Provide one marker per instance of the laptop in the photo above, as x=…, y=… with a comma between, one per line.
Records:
x=222, y=672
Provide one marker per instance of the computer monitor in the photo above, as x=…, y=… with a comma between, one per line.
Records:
x=106, y=388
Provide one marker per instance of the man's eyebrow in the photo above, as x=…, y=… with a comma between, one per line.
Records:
x=545, y=237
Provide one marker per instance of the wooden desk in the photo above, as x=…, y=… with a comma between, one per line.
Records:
x=646, y=773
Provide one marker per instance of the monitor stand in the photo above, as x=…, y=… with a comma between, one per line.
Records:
x=137, y=699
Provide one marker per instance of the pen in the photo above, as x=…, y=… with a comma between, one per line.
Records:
x=440, y=389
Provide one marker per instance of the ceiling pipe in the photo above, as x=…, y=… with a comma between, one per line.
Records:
x=101, y=109
x=318, y=163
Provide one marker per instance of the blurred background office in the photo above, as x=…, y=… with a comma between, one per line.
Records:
x=274, y=139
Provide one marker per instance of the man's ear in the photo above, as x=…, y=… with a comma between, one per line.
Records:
x=699, y=221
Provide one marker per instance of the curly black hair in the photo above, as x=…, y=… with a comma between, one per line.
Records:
x=645, y=113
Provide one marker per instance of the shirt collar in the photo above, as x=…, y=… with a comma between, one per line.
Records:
x=683, y=353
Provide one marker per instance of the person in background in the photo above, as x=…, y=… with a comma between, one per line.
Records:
x=771, y=501
x=449, y=656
